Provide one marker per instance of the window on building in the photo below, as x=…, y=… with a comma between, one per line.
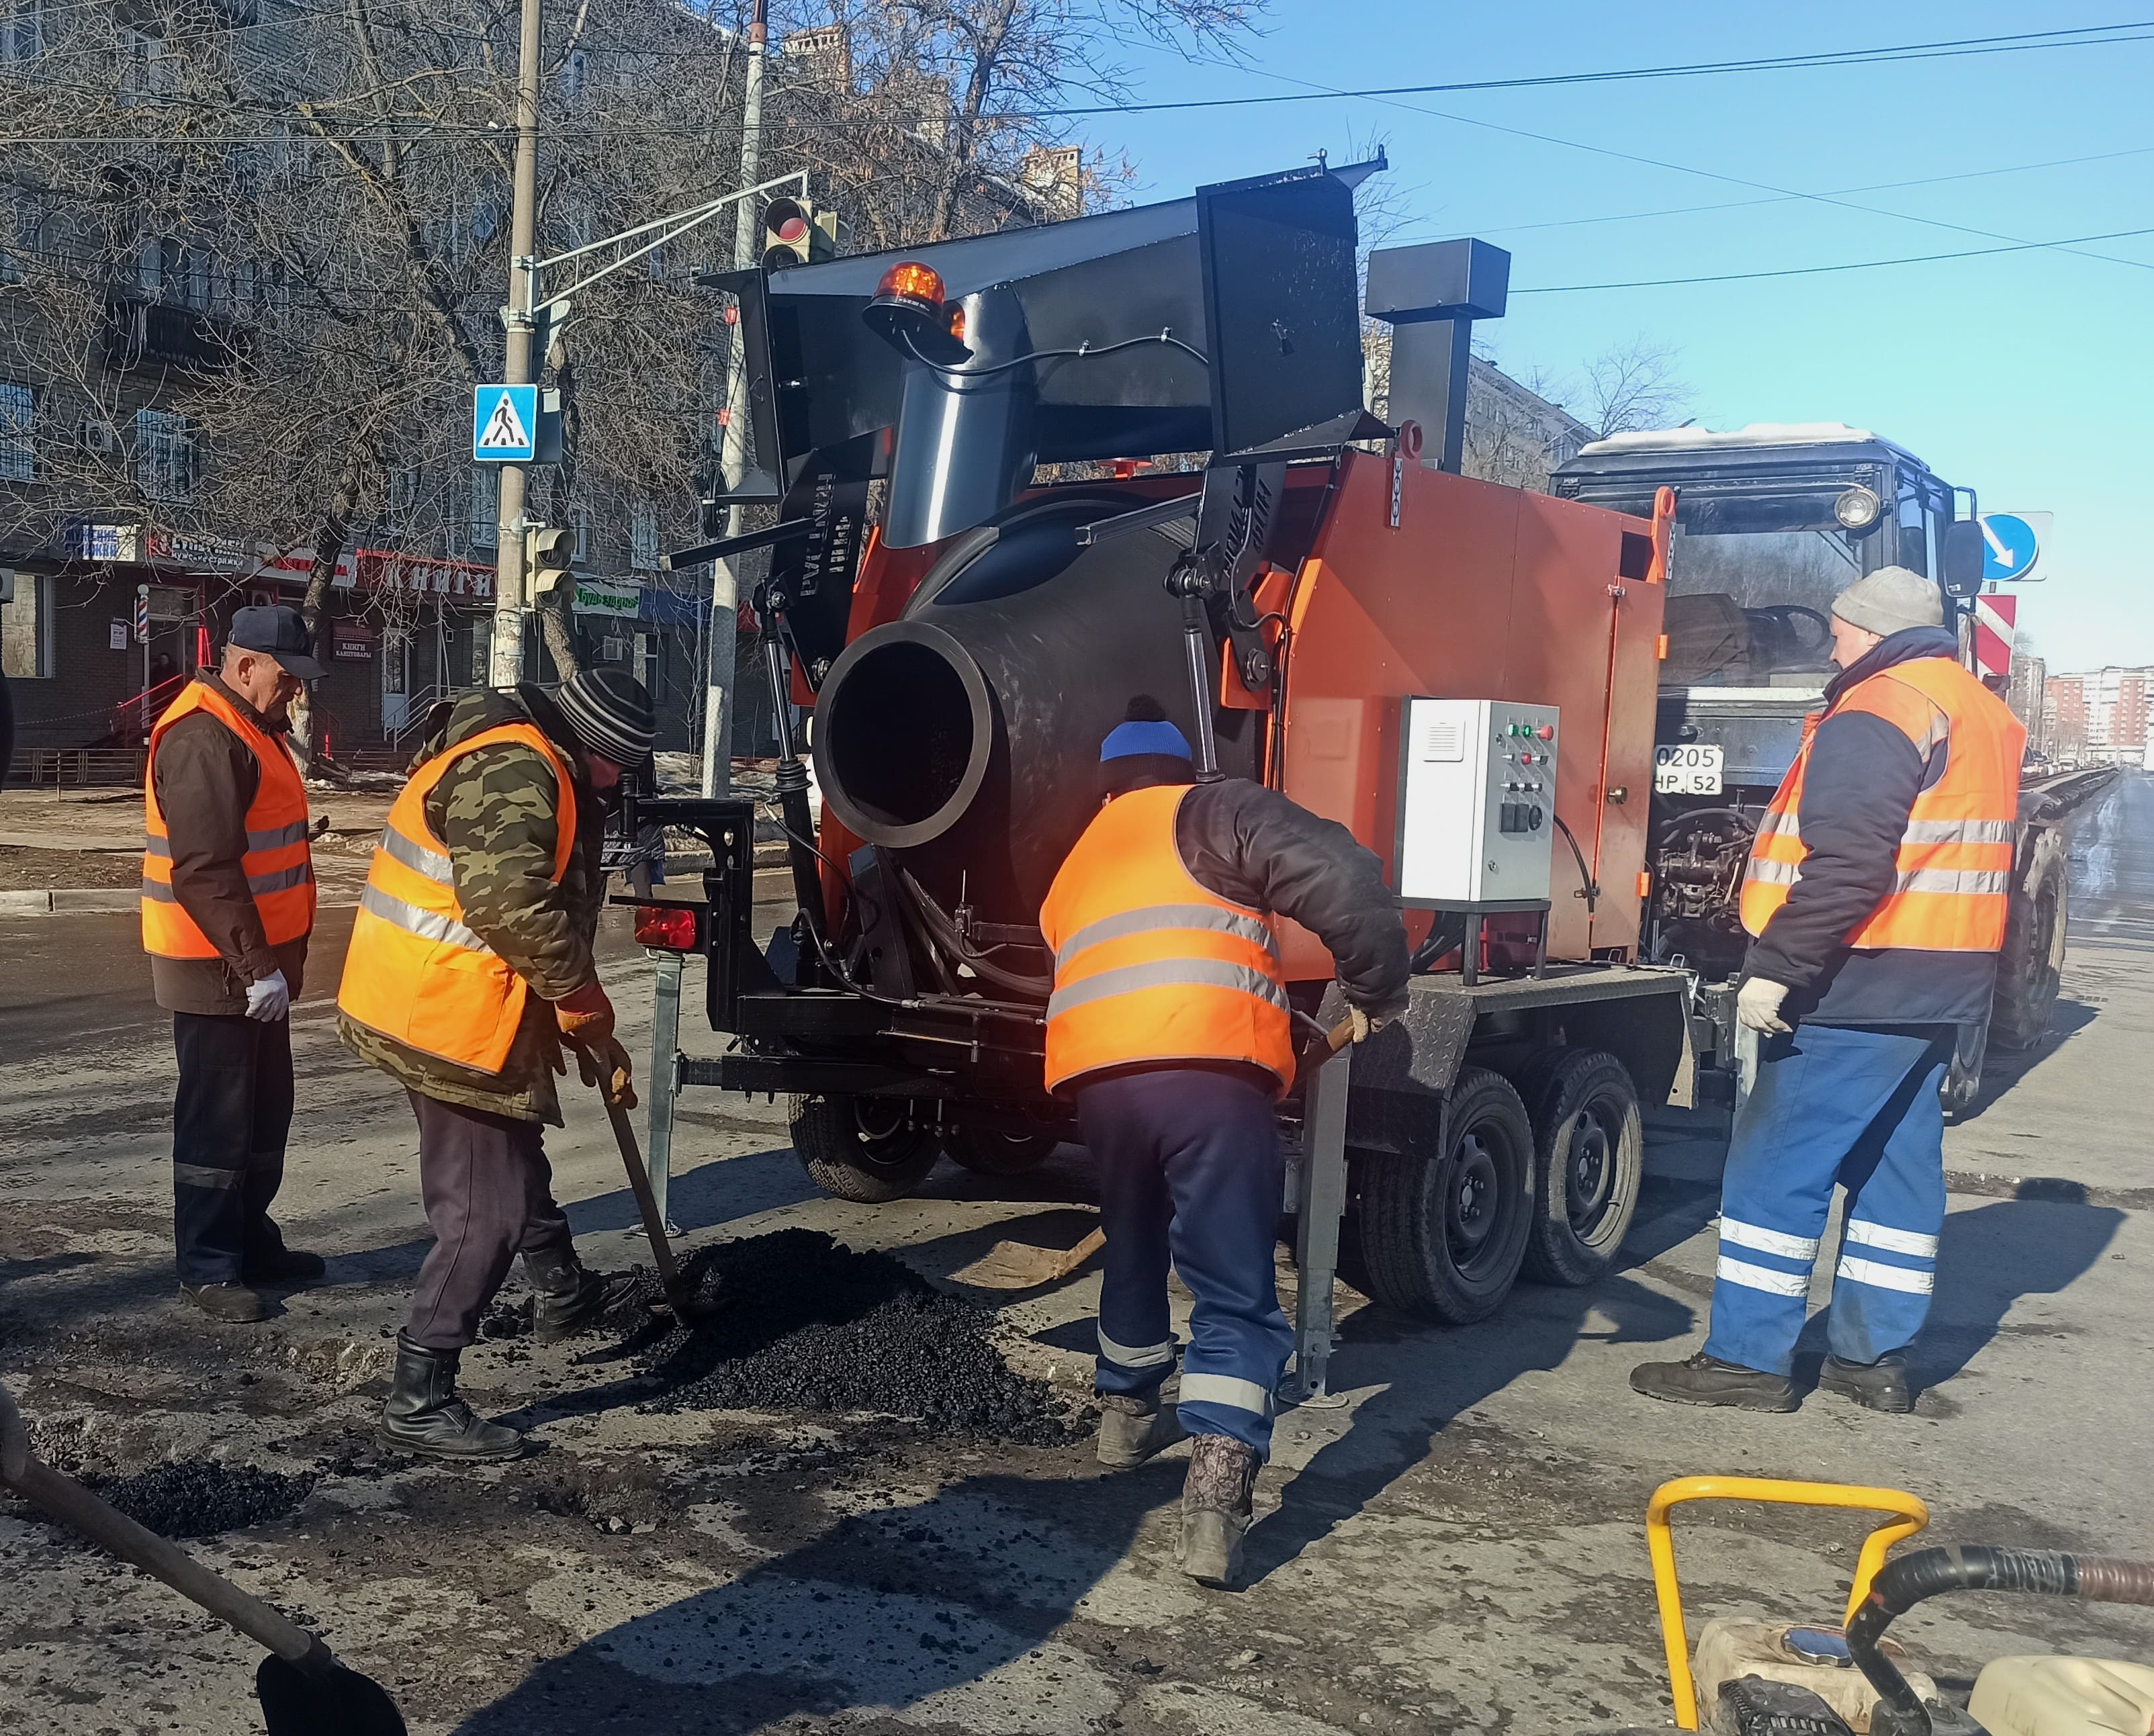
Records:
x=21, y=30
x=27, y=626
x=167, y=463
x=485, y=508
x=580, y=521
x=147, y=71
x=574, y=76
x=643, y=536
x=195, y=289
x=18, y=453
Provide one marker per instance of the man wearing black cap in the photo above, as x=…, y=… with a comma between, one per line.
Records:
x=470, y=965
x=227, y=906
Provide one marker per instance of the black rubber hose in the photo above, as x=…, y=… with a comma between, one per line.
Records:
x=943, y=932
x=1588, y=886
x=1909, y=1579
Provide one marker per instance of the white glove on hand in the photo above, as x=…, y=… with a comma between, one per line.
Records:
x=1757, y=1005
x=270, y=999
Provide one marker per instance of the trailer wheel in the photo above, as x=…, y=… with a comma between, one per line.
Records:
x=1442, y=1234
x=1588, y=1159
x=2030, y=969
x=989, y=1151
x=862, y=1148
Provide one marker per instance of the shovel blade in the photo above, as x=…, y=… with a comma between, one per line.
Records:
x=1018, y=1266
x=338, y=1702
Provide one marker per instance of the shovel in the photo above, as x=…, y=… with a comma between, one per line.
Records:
x=304, y=1690
x=1019, y=1266
x=683, y=1307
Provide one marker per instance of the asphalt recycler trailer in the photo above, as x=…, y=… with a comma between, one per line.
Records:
x=1022, y=479
x=1771, y=522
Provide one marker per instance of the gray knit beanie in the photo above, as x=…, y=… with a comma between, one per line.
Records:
x=610, y=713
x=1890, y=600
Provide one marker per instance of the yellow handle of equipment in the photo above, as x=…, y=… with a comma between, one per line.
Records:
x=1660, y=1539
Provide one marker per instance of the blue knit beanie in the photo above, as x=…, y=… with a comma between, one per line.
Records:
x=1125, y=740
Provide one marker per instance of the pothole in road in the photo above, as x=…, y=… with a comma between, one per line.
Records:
x=199, y=1498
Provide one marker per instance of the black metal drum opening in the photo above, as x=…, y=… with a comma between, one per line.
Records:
x=904, y=729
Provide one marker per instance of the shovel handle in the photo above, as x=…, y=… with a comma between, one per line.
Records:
x=1095, y=1240
x=646, y=1202
x=1317, y=1054
x=76, y=1508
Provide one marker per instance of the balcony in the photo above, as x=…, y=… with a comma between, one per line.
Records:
x=140, y=333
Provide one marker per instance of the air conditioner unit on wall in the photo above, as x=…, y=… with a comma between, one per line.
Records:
x=99, y=438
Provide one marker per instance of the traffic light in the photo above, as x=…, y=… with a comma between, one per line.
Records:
x=548, y=556
x=795, y=232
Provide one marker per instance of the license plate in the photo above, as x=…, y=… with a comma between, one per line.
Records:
x=1690, y=769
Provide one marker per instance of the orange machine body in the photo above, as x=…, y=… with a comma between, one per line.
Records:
x=1478, y=591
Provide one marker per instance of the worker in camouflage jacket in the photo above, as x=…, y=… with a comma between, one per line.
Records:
x=471, y=967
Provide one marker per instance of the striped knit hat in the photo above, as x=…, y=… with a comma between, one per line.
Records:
x=611, y=714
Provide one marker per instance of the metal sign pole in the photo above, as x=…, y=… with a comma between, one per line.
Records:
x=508, y=574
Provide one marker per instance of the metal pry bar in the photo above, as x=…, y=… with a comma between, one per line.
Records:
x=1164, y=511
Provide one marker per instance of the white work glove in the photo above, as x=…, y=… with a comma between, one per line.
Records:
x=270, y=999
x=1757, y=1005
x=1368, y=1020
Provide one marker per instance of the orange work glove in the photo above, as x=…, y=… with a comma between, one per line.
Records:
x=586, y=1016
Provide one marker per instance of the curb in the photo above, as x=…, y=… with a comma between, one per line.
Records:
x=66, y=899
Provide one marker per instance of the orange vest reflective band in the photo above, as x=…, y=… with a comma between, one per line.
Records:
x=1150, y=966
x=1952, y=872
x=414, y=972
x=280, y=867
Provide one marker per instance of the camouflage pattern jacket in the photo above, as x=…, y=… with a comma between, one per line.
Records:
x=497, y=812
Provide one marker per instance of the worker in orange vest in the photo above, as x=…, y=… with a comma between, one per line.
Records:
x=1170, y=1025
x=1877, y=893
x=228, y=907
x=470, y=965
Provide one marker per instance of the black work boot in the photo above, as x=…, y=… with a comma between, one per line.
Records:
x=228, y=1301
x=425, y=1416
x=267, y=1260
x=571, y=1298
x=1879, y=1386
x=1703, y=1380
x=1132, y=1429
x=1217, y=1500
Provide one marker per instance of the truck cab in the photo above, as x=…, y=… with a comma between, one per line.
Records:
x=1772, y=522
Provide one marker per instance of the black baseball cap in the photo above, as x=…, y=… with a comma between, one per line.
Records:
x=278, y=632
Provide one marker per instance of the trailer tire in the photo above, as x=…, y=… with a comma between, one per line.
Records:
x=2030, y=969
x=1443, y=1233
x=861, y=1148
x=989, y=1151
x=1589, y=1161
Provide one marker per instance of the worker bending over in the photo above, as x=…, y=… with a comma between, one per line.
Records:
x=227, y=906
x=470, y=964
x=1169, y=1025
x=1876, y=893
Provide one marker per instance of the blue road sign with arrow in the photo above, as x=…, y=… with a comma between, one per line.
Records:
x=504, y=424
x=2012, y=544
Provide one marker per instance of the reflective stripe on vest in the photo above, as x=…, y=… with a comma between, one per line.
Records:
x=1952, y=868
x=414, y=971
x=278, y=862
x=1150, y=965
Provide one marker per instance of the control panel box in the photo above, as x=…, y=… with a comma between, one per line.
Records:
x=1477, y=802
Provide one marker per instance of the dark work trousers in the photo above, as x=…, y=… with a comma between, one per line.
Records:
x=488, y=1192
x=1190, y=1171
x=230, y=1118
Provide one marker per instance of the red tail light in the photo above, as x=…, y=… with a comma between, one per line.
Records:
x=670, y=927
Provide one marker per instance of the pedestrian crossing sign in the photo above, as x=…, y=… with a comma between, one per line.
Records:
x=505, y=424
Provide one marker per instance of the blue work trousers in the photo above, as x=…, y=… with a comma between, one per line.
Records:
x=1854, y=1105
x=1191, y=1171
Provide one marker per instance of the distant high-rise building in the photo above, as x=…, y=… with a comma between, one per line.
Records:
x=2100, y=714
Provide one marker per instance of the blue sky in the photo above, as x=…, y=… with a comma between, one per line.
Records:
x=2026, y=375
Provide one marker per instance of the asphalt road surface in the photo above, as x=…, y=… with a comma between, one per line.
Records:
x=1458, y=1546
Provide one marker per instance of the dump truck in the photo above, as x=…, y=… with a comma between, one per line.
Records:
x=1018, y=480
x=1771, y=522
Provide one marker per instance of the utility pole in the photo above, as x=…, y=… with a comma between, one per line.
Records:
x=510, y=603
x=722, y=643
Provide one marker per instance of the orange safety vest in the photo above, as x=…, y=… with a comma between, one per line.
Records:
x=279, y=866
x=414, y=972
x=1150, y=966
x=1953, y=867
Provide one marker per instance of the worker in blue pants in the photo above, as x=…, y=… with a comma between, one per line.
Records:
x=1877, y=894
x=1858, y=1107
x=1190, y=1171
x=1170, y=1028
